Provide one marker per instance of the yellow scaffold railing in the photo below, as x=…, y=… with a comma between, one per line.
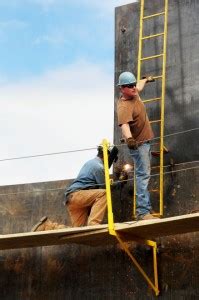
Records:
x=122, y=239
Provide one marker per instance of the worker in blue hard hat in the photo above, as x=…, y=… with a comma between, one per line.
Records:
x=137, y=132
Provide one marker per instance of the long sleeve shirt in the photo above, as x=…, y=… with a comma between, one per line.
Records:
x=91, y=176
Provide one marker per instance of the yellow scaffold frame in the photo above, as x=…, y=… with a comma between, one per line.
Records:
x=121, y=239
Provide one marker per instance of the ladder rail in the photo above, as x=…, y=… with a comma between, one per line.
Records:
x=160, y=99
x=163, y=109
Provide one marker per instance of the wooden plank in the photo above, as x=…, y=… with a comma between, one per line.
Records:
x=99, y=235
x=150, y=229
x=46, y=238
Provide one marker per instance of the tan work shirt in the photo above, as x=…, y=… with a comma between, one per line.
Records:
x=134, y=113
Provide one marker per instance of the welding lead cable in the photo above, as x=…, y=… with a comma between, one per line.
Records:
x=85, y=149
x=165, y=173
x=95, y=185
x=174, y=165
x=46, y=154
x=164, y=136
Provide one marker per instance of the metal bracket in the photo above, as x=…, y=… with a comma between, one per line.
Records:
x=152, y=244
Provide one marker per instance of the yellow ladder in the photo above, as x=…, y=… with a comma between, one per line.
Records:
x=141, y=59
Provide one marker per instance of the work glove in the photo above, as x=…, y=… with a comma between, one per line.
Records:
x=131, y=143
x=149, y=78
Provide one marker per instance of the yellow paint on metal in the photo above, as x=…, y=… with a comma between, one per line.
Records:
x=151, y=100
x=154, y=15
x=134, y=196
x=157, y=77
x=112, y=227
x=155, y=268
x=154, y=121
x=140, y=269
x=152, y=57
x=162, y=109
x=152, y=36
x=140, y=40
x=105, y=145
x=141, y=59
x=138, y=78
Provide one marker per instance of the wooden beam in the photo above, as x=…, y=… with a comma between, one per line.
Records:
x=99, y=235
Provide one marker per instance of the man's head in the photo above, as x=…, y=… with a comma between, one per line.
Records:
x=100, y=152
x=112, y=154
x=127, y=83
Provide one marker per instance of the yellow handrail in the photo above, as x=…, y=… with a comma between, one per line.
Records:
x=108, y=188
x=162, y=110
x=112, y=230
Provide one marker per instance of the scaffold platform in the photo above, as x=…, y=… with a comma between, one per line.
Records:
x=99, y=235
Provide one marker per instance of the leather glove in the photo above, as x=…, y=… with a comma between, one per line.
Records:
x=131, y=143
x=149, y=78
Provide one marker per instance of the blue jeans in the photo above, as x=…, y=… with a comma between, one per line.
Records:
x=141, y=158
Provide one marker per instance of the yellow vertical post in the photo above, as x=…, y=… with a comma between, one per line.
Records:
x=112, y=230
x=162, y=110
x=134, y=194
x=140, y=39
x=155, y=268
x=138, y=78
x=108, y=188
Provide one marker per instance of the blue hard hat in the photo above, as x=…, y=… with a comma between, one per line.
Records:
x=126, y=78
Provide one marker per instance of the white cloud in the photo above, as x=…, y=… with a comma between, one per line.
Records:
x=64, y=109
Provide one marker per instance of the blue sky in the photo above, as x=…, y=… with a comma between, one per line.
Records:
x=39, y=35
x=56, y=84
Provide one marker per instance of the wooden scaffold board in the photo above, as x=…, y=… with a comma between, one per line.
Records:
x=99, y=235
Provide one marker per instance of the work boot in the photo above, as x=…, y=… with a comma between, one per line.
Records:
x=146, y=217
x=45, y=224
x=39, y=224
x=49, y=225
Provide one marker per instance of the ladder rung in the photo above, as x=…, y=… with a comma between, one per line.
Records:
x=154, y=191
x=151, y=57
x=155, y=167
x=154, y=15
x=155, y=121
x=157, y=153
x=152, y=36
x=151, y=100
x=157, y=77
x=165, y=149
x=156, y=214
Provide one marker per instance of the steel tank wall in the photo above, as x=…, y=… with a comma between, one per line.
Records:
x=83, y=272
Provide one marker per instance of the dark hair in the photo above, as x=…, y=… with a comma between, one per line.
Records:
x=100, y=152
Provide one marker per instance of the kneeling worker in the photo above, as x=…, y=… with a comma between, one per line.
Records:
x=85, y=198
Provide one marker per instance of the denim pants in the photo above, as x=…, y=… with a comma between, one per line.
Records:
x=141, y=158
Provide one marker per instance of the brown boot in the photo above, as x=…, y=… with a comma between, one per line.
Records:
x=39, y=224
x=147, y=217
x=45, y=224
x=49, y=225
